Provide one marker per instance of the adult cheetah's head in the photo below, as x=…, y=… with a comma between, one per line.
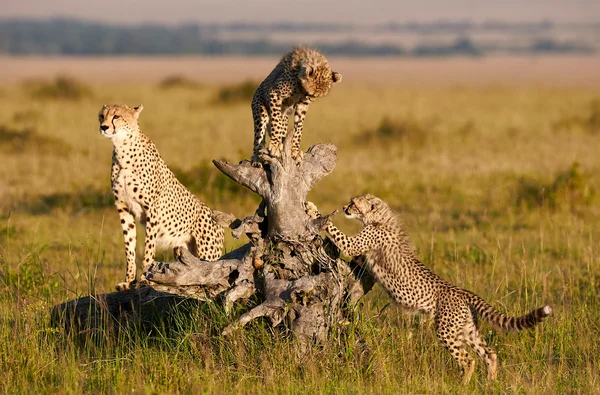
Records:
x=314, y=73
x=119, y=120
x=369, y=209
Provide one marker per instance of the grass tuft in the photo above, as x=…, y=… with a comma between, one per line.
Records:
x=61, y=88
x=588, y=121
x=85, y=200
x=210, y=184
x=233, y=94
x=28, y=140
x=570, y=190
x=179, y=82
x=407, y=131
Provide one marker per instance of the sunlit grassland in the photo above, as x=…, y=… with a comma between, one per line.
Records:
x=497, y=187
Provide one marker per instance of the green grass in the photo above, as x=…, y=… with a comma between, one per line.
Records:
x=496, y=186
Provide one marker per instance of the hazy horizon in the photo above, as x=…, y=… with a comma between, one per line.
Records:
x=265, y=11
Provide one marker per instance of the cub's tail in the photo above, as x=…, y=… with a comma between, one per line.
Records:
x=502, y=321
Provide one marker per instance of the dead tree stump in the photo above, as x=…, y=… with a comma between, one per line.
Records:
x=298, y=276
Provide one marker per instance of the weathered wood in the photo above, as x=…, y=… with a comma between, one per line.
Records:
x=283, y=186
x=299, y=277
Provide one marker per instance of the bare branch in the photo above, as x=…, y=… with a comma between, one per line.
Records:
x=244, y=173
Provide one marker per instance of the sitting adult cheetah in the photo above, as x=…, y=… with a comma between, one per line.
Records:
x=145, y=188
x=391, y=258
x=300, y=77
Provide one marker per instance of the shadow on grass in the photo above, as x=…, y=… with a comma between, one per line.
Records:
x=28, y=140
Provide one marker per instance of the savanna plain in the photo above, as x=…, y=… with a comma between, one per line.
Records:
x=496, y=182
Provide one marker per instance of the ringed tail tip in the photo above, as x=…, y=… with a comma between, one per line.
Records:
x=547, y=310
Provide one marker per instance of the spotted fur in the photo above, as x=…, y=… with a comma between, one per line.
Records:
x=300, y=77
x=391, y=258
x=145, y=189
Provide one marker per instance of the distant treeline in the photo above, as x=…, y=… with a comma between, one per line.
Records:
x=73, y=37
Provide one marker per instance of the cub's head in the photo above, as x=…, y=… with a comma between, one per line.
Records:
x=119, y=121
x=369, y=209
x=314, y=73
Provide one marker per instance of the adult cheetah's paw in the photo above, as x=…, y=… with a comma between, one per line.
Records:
x=125, y=286
x=311, y=210
x=143, y=280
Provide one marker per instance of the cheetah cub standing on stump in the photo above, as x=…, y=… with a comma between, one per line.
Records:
x=300, y=77
x=391, y=258
x=146, y=189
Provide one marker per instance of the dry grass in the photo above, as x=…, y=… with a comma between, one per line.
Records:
x=460, y=191
x=497, y=70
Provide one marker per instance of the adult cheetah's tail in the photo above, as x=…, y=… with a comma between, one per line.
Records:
x=502, y=321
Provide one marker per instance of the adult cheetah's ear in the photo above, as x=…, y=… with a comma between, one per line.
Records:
x=336, y=77
x=137, y=111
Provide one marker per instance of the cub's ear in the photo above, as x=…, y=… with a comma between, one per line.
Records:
x=336, y=77
x=308, y=71
x=137, y=111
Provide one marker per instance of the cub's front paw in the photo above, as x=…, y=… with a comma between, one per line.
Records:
x=274, y=151
x=298, y=156
x=255, y=160
x=312, y=210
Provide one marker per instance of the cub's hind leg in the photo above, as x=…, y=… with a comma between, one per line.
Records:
x=455, y=343
x=449, y=324
x=487, y=355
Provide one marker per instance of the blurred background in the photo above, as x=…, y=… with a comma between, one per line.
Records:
x=477, y=121
x=386, y=29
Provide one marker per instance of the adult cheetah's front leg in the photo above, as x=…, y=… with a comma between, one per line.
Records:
x=129, y=237
x=150, y=239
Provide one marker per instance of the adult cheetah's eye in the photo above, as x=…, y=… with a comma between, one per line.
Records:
x=116, y=116
x=101, y=118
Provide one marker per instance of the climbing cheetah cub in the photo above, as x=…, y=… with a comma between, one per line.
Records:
x=391, y=258
x=300, y=77
x=145, y=188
